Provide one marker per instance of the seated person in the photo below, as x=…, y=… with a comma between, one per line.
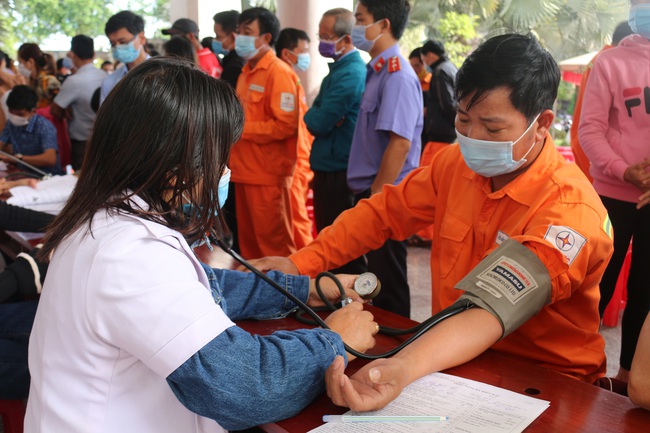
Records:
x=132, y=333
x=638, y=387
x=27, y=135
x=521, y=238
x=20, y=280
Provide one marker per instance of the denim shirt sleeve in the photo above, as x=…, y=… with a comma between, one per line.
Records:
x=243, y=295
x=242, y=380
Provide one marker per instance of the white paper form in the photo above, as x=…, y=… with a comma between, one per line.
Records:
x=471, y=407
x=49, y=195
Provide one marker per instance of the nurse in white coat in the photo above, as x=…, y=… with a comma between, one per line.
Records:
x=128, y=336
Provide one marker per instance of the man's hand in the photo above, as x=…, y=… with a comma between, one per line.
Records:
x=331, y=291
x=371, y=388
x=273, y=263
x=355, y=326
x=638, y=175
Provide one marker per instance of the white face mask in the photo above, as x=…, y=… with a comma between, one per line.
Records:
x=24, y=71
x=18, y=120
x=492, y=158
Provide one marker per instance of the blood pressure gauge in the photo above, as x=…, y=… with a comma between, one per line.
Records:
x=367, y=285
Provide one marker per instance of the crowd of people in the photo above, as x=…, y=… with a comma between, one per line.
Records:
x=214, y=139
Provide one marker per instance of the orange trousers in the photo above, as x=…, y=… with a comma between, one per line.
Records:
x=302, y=232
x=264, y=221
x=430, y=150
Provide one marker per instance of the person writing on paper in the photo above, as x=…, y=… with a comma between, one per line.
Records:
x=519, y=233
x=29, y=136
x=132, y=333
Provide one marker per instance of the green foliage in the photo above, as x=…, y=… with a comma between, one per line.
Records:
x=566, y=27
x=458, y=33
x=35, y=20
x=268, y=4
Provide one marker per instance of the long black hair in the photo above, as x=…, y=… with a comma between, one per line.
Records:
x=164, y=134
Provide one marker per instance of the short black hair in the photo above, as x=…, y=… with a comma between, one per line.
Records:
x=227, y=20
x=4, y=56
x=435, y=47
x=621, y=31
x=22, y=98
x=106, y=62
x=133, y=23
x=83, y=47
x=514, y=61
x=59, y=64
x=289, y=39
x=266, y=20
x=415, y=54
x=181, y=47
x=206, y=42
x=396, y=11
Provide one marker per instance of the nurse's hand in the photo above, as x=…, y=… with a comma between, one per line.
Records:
x=371, y=388
x=273, y=263
x=331, y=291
x=356, y=327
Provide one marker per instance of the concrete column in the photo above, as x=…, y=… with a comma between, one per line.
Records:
x=300, y=14
x=305, y=15
x=201, y=11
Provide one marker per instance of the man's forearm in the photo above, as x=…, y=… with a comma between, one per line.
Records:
x=391, y=163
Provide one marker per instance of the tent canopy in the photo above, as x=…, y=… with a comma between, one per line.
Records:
x=577, y=64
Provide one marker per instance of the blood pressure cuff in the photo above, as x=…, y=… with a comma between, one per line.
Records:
x=511, y=282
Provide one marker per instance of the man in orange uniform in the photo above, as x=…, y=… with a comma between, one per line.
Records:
x=520, y=235
x=293, y=48
x=622, y=30
x=263, y=161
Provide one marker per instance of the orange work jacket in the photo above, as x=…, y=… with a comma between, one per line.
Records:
x=538, y=209
x=266, y=152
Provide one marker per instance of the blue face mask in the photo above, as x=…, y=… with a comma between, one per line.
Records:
x=217, y=48
x=491, y=158
x=303, y=62
x=245, y=46
x=639, y=20
x=359, y=40
x=126, y=53
x=222, y=193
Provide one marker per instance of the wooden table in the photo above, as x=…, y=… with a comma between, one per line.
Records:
x=575, y=406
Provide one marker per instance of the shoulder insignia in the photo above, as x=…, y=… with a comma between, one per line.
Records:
x=567, y=240
x=394, y=64
x=379, y=65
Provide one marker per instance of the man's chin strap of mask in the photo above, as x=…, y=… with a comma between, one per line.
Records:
x=511, y=283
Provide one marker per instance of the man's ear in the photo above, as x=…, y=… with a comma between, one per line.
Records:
x=266, y=37
x=285, y=55
x=386, y=25
x=544, y=124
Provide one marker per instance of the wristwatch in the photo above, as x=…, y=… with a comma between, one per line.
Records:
x=19, y=156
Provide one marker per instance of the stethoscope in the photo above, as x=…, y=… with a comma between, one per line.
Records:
x=366, y=287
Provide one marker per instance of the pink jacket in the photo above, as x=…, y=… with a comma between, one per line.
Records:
x=615, y=122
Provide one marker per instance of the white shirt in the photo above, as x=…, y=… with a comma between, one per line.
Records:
x=76, y=92
x=121, y=309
